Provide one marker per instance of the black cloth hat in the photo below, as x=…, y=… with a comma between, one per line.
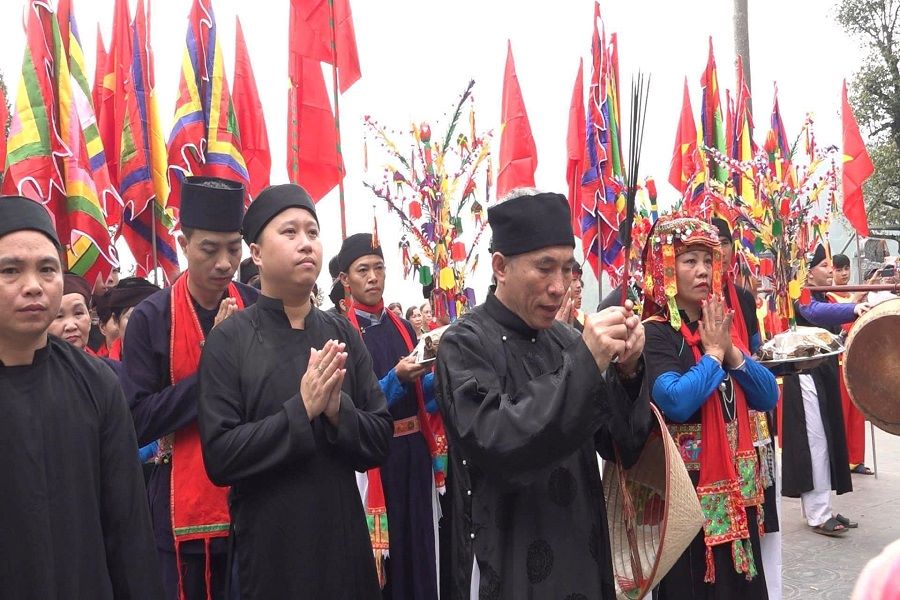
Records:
x=724, y=229
x=212, y=203
x=270, y=202
x=337, y=293
x=817, y=256
x=18, y=214
x=840, y=261
x=530, y=222
x=334, y=268
x=247, y=271
x=129, y=292
x=354, y=247
x=76, y=284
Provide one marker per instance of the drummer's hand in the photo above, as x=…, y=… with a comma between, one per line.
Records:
x=715, y=328
x=862, y=308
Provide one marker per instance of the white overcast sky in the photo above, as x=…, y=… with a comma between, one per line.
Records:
x=417, y=56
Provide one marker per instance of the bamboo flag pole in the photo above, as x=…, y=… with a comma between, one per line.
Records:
x=337, y=117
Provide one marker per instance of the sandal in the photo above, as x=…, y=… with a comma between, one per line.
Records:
x=862, y=469
x=832, y=528
x=846, y=522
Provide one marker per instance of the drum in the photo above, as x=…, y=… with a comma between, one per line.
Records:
x=871, y=369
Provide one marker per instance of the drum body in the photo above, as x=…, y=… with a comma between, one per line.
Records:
x=872, y=365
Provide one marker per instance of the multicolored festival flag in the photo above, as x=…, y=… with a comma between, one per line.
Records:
x=51, y=139
x=143, y=161
x=602, y=181
x=711, y=120
x=205, y=138
x=743, y=147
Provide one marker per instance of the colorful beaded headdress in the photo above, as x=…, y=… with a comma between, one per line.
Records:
x=671, y=236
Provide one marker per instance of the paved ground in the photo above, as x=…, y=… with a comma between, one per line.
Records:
x=816, y=566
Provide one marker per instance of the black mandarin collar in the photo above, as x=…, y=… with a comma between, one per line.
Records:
x=507, y=318
x=273, y=308
x=40, y=357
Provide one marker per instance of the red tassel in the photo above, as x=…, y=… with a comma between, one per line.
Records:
x=207, y=568
x=710, y=576
x=181, y=594
x=415, y=210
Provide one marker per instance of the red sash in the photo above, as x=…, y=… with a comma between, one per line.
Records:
x=199, y=507
x=729, y=481
x=735, y=304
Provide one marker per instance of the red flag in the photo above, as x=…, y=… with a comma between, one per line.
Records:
x=250, y=118
x=575, y=146
x=857, y=168
x=311, y=36
x=313, y=160
x=4, y=119
x=684, y=155
x=99, y=73
x=518, y=154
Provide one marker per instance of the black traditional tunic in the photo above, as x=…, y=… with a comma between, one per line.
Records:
x=796, y=460
x=526, y=412
x=406, y=475
x=299, y=526
x=74, y=521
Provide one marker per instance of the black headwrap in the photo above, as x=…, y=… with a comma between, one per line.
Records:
x=334, y=268
x=724, y=229
x=75, y=284
x=18, y=214
x=354, y=247
x=269, y=203
x=212, y=204
x=129, y=292
x=247, y=271
x=337, y=293
x=530, y=222
x=817, y=256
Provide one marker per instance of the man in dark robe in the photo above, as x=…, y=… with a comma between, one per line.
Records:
x=814, y=447
x=73, y=514
x=407, y=475
x=528, y=403
x=289, y=410
x=161, y=385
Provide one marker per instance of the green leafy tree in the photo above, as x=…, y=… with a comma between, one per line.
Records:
x=875, y=96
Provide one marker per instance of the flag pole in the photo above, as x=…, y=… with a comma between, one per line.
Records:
x=153, y=242
x=337, y=117
x=859, y=269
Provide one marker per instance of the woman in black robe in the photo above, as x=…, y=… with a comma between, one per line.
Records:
x=703, y=383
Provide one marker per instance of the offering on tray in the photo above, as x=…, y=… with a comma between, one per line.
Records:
x=426, y=350
x=803, y=344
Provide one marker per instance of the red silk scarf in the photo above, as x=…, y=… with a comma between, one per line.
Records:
x=199, y=508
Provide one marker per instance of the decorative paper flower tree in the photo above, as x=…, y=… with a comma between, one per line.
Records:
x=432, y=192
